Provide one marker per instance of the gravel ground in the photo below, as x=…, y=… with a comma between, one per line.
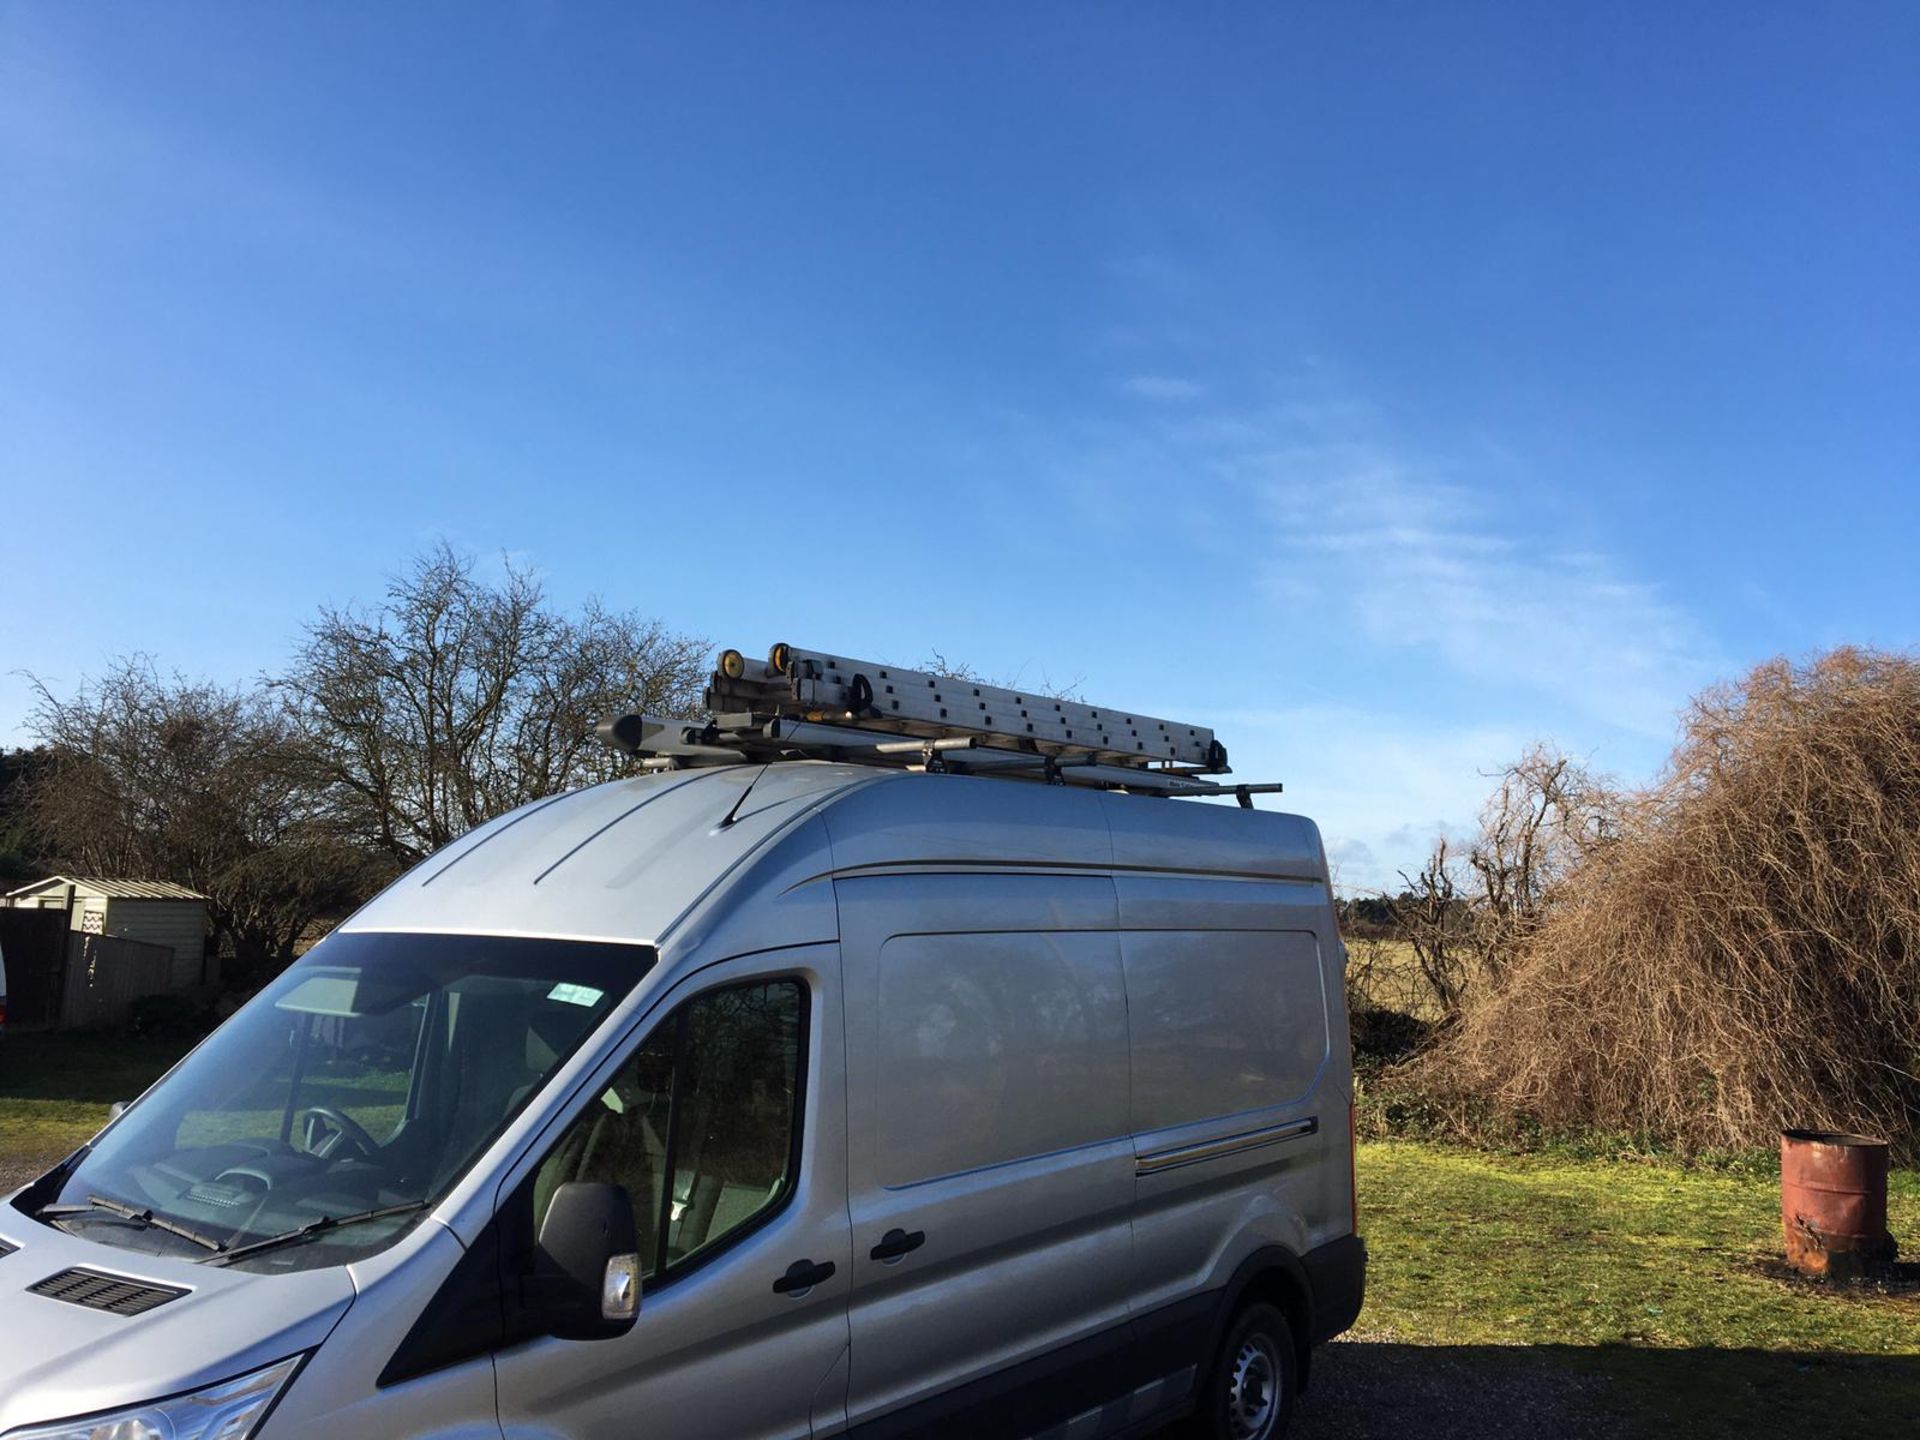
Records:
x=15, y=1173
x=1365, y=1390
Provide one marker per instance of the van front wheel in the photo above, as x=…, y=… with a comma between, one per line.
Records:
x=1249, y=1393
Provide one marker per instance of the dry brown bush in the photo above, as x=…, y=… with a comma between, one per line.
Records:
x=1744, y=950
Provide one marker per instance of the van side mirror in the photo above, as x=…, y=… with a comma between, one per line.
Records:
x=586, y=1265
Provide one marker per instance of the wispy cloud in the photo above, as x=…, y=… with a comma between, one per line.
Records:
x=1449, y=557
x=1449, y=565
x=1423, y=560
x=1464, y=560
x=1433, y=608
x=1169, y=388
x=1382, y=785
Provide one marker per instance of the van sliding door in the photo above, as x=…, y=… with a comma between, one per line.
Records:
x=990, y=1169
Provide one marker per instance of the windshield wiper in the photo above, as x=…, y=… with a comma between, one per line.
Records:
x=123, y=1211
x=324, y=1225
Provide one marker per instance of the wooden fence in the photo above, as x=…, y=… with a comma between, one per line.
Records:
x=35, y=945
x=105, y=975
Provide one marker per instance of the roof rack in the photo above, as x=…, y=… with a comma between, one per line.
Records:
x=809, y=704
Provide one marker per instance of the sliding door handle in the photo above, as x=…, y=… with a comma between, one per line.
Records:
x=897, y=1242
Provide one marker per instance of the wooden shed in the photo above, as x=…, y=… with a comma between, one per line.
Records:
x=156, y=912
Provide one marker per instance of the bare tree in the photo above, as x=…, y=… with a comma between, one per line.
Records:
x=1439, y=926
x=158, y=777
x=457, y=699
x=1545, y=816
x=21, y=846
x=1468, y=916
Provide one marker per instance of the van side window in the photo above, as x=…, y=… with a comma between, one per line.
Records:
x=700, y=1126
x=1224, y=1022
x=998, y=1047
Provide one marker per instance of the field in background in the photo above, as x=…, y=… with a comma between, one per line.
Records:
x=1389, y=976
x=1519, y=1296
x=1387, y=973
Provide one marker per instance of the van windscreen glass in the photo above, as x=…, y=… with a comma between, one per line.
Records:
x=354, y=1090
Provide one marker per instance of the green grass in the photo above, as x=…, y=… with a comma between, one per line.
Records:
x=55, y=1089
x=1648, y=1274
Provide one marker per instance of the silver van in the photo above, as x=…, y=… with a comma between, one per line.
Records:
x=799, y=1099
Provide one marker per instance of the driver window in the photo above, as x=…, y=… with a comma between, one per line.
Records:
x=699, y=1126
x=368, y=1068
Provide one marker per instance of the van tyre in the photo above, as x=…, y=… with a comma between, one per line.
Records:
x=1249, y=1393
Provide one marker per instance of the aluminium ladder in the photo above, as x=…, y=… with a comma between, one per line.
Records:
x=810, y=704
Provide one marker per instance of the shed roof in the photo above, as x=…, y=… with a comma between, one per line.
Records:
x=96, y=887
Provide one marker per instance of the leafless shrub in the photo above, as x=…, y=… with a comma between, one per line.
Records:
x=1741, y=949
x=1544, y=818
x=1365, y=971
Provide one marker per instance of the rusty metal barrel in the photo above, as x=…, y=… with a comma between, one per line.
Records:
x=1833, y=1202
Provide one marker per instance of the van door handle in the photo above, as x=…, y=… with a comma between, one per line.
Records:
x=802, y=1276
x=896, y=1243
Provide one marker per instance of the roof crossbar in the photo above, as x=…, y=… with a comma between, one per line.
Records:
x=813, y=704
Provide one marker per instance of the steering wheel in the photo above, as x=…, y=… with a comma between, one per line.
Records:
x=345, y=1128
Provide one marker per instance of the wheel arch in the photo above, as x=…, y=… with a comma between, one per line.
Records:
x=1273, y=1275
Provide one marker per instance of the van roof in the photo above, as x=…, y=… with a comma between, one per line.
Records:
x=628, y=860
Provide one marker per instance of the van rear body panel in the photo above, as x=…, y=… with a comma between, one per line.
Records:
x=1141, y=1012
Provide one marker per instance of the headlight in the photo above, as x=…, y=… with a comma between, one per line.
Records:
x=230, y=1410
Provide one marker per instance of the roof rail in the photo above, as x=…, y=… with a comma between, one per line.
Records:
x=809, y=704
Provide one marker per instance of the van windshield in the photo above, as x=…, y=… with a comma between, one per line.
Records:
x=344, y=1099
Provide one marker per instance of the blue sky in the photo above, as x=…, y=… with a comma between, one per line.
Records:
x=1388, y=386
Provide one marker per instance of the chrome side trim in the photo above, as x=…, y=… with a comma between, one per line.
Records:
x=1155, y=1161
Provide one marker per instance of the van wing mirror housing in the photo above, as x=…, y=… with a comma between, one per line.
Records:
x=586, y=1267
